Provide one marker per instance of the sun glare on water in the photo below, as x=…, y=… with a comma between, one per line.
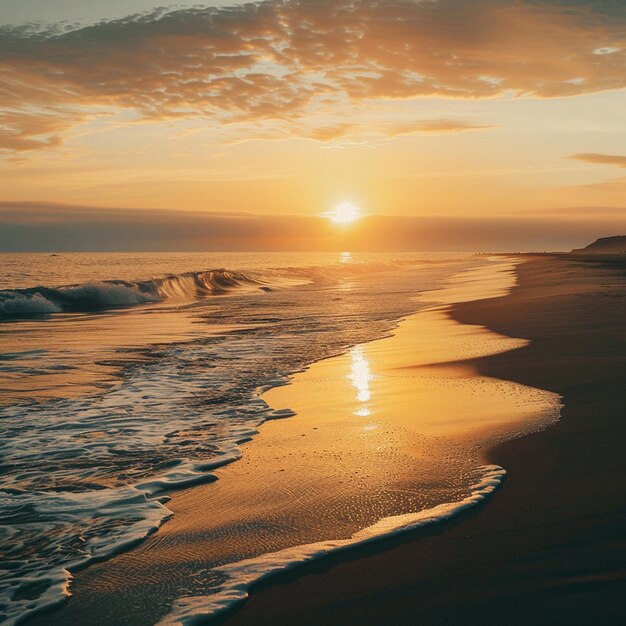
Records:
x=344, y=213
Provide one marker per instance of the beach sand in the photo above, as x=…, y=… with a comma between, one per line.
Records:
x=370, y=429
x=549, y=547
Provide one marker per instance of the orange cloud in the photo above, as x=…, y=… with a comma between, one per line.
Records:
x=21, y=130
x=433, y=126
x=418, y=127
x=283, y=60
x=600, y=159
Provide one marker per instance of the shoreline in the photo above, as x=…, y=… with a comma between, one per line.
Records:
x=413, y=354
x=414, y=368
x=548, y=548
x=183, y=411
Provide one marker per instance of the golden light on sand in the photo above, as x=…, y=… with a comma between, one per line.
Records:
x=360, y=377
x=344, y=213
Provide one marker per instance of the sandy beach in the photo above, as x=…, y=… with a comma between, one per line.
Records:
x=548, y=548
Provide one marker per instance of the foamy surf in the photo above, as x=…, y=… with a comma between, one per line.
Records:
x=87, y=527
x=243, y=575
x=91, y=518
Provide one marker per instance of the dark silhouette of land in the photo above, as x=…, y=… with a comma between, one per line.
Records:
x=605, y=245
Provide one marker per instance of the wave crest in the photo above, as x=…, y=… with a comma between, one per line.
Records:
x=111, y=294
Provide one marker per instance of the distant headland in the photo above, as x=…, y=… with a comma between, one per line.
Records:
x=606, y=245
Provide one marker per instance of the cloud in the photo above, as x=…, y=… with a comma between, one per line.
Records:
x=441, y=126
x=22, y=130
x=32, y=226
x=328, y=133
x=600, y=159
x=282, y=60
x=358, y=130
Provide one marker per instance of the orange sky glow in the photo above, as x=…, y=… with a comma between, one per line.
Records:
x=509, y=116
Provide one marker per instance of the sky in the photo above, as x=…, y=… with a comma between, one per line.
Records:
x=450, y=124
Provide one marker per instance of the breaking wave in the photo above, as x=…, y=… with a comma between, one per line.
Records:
x=112, y=294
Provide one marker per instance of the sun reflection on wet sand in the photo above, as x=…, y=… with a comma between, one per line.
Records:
x=360, y=377
x=419, y=380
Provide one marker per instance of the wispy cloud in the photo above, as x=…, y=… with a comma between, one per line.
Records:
x=600, y=159
x=376, y=128
x=439, y=126
x=282, y=60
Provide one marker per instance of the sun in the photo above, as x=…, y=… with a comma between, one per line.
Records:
x=344, y=213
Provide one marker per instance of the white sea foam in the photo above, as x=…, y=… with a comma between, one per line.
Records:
x=85, y=527
x=243, y=575
x=80, y=525
x=15, y=303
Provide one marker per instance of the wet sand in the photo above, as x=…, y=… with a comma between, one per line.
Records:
x=390, y=428
x=550, y=546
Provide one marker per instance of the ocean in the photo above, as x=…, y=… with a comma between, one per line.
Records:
x=127, y=376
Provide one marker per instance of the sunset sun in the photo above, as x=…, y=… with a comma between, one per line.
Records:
x=344, y=213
